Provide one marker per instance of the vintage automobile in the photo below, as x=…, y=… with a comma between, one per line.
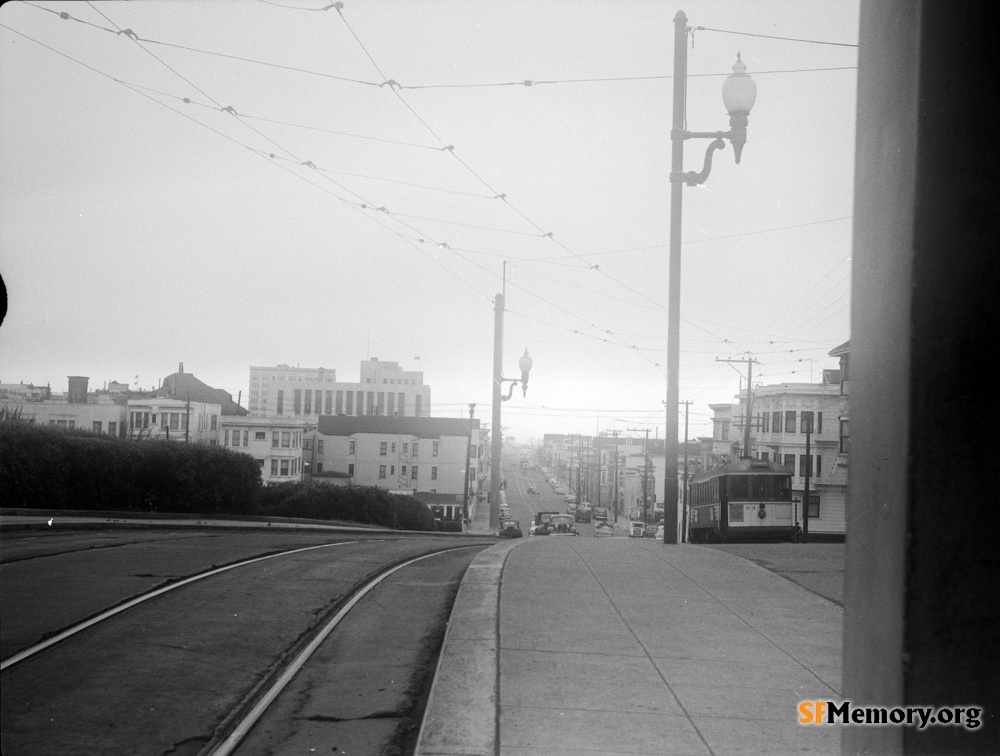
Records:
x=540, y=526
x=583, y=513
x=510, y=529
x=562, y=525
x=532, y=490
x=602, y=527
x=636, y=529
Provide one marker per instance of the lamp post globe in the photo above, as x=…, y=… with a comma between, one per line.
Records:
x=525, y=364
x=739, y=92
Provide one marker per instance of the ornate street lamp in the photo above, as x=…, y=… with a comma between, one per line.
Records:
x=496, y=431
x=738, y=95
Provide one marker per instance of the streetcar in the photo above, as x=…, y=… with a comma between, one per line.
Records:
x=750, y=499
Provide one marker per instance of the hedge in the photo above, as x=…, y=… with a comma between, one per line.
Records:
x=42, y=467
x=361, y=504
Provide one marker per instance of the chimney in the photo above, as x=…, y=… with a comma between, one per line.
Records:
x=180, y=368
x=78, y=389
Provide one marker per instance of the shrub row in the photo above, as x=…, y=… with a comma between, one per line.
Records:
x=51, y=468
x=42, y=467
x=361, y=504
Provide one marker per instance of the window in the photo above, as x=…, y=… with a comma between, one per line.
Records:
x=381, y=471
x=329, y=403
x=214, y=422
x=764, y=456
x=319, y=467
x=370, y=406
x=281, y=401
x=401, y=403
x=380, y=403
x=416, y=409
x=350, y=469
x=739, y=486
x=819, y=466
x=434, y=449
x=413, y=472
x=805, y=465
x=845, y=436
x=260, y=435
x=225, y=439
x=382, y=449
x=297, y=401
x=415, y=452
x=112, y=428
x=286, y=439
x=175, y=418
x=284, y=467
x=350, y=447
x=274, y=467
x=350, y=403
x=97, y=426
x=819, y=422
x=813, y=507
x=392, y=469
x=154, y=418
x=406, y=448
x=790, y=462
x=391, y=408
x=434, y=473
x=319, y=446
x=307, y=444
x=402, y=471
x=361, y=402
x=790, y=421
x=806, y=422
x=340, y=402
x=309, y=401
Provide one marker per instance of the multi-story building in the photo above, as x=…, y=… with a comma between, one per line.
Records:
x=275, y=443
x=383, y=389
x=174, y=419
x=100, y=413
x=422, y=456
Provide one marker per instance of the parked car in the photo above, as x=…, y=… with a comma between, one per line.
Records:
x=636, y=529
x=562, y=525
x=602, y=527
x=651, y=531
x=571, y=507
x=510, y=529
x=582, y=513
x=532, y=490
x=599, y=513
x=540, y=526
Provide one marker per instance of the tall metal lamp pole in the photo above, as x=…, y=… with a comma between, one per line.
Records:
x=738, y=94
x=498, y=398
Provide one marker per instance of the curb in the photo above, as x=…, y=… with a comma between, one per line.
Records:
x=461, y=713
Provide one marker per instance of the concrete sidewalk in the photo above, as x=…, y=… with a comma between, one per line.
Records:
x=627, y=646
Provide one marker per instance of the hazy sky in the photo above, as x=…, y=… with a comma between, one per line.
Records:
x=233, y=183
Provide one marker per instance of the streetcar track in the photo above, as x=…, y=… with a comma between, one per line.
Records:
x=101, y=547
x=61, y=635
x=243, y=717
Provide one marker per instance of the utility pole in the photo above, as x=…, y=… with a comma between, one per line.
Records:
x=645, y=476
x=468, y=472
x=614, y=435
x=598, y=470
x=805, y=495
x=187, y=420
x=497, y=401
x=746, y=426
x=684, y=506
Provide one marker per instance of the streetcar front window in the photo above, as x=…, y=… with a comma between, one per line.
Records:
x=739, y=487
x=761, y=489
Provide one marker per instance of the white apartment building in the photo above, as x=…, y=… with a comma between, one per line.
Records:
x=100, y=414
x=174, y=419
x=275, y=443
x=412, y=455
x=383, y=389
